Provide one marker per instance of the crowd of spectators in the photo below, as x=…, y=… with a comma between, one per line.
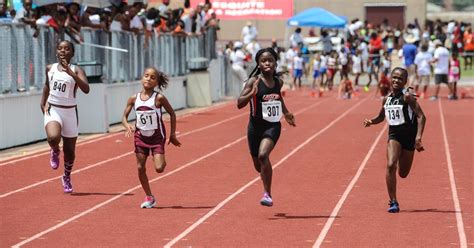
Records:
x=69, y=18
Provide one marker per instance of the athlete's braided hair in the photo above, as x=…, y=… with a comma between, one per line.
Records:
x=256, y=71
x=403, y=71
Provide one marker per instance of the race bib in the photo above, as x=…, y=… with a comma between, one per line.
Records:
x=59, y=88
x=394, y=115
x=271, y=111
x=147, y=120
x=455, y=70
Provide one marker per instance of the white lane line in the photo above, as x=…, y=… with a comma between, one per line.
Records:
x=117, y=157
x=346, y=193
x=110, y=135
x=236, y=193
x=452, y=181
x=63, y=223
x=59, y=225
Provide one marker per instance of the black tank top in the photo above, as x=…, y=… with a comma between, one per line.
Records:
x=265, y=106
x=398, y=113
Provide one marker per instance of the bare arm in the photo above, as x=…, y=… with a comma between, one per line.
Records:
x=379, y=118
x=420, y=118
x=162, y=101
x=45, y=95
x=128, y=108
x=250, y=89
x=289, y=117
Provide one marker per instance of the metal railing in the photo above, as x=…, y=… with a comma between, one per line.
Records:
x=24, y=57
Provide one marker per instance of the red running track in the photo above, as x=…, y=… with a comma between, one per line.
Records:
x=328, y=186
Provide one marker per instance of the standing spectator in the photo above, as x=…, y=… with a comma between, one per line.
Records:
x=423, y=69
x=296, y=39
x=91, y=19
x=253, y=47
x=468, y=48
x=441, y=58
x=326, y=40
x=409, y=51
x=164, y=6
x=237, y=58
x=249, y=33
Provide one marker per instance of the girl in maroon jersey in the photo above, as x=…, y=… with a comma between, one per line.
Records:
x=149, y=130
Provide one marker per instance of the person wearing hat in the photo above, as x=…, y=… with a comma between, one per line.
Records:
x=237, y=58
x=441, y=61
x=409, y=51
x=249, y=33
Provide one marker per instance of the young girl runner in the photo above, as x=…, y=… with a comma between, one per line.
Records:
x=454, y=74
x=149, y=130
x=263, y=91
x=406, y=123
x=58, y=104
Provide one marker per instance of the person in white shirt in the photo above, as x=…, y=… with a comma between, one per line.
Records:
x=253, y=47
x=237, y=58
x=441, y=60
x=316, y=67
x=289, y=55
x=357, y=67
x=298, y=65
x=296, y=39
x=423, y=69
x=249, y=33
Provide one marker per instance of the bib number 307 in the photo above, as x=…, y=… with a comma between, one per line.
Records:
x=271, y=111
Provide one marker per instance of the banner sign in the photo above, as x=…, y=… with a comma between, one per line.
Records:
x=250, y=9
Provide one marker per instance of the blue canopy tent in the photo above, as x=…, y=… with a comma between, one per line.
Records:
x=317, y=17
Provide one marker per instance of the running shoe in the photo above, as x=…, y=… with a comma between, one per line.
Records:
x=67, y=184
x=266, y=200
x=149, y=202
x=54, y=159
x=394, y=207
x=366, y=88
x=433, y=98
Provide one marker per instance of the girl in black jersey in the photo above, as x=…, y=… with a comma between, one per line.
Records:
x=406, y=122
x=263, y=91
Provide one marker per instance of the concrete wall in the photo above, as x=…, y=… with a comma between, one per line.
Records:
x=22, y=120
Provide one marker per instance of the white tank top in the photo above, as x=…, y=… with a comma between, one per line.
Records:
x=62, y=87
x=149, y=117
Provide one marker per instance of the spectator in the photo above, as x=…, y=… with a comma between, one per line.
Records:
x=409, y=54
x=90, y=18
x=326, y=40
x=249, y=33
x=237, y=58
x=25, y=14
x=164, y=6
x=423, y=69
x=252, y=48
x=296, y=39
x=468, y=48
x=441, y=59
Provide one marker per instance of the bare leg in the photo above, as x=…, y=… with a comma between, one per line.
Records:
x=141, y=162
x=53, y=133
x=160, y=162
x=266, y=147
x=393, y=154
x=405, y=162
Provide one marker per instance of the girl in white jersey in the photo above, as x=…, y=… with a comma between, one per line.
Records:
x=58, y=104
x=149, y=131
